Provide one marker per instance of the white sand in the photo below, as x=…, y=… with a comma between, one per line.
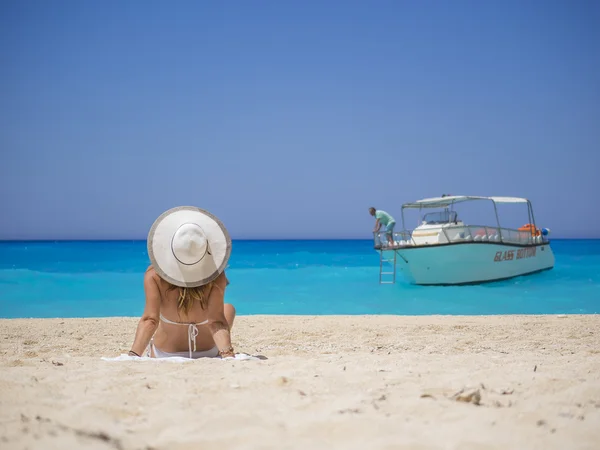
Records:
x=374, y=382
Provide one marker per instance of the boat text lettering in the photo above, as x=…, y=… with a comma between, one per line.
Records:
x=504, y=256
x=509, y=255
x=526, y=252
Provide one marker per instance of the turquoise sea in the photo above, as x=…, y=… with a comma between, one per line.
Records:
x=95, y=279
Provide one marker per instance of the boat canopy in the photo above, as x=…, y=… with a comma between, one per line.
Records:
x=442, y=202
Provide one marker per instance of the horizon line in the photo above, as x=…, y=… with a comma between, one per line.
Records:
x=249, y=240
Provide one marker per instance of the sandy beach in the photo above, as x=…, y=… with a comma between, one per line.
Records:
x=376, y=382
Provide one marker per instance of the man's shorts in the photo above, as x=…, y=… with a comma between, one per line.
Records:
x=390, y=227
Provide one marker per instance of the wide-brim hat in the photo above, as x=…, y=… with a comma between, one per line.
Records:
x=188, y=246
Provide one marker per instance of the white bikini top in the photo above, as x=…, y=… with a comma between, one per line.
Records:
x=192, y=331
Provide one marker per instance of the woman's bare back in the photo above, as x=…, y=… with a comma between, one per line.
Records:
x=174, y=338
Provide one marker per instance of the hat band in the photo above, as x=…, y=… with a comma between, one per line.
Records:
x=200, y=258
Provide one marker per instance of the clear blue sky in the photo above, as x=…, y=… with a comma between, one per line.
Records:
x=289, y=119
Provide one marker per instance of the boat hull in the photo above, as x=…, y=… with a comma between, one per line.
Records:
x=467, y=263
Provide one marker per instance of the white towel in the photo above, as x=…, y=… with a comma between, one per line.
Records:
x=124, y=357
x=241, y=357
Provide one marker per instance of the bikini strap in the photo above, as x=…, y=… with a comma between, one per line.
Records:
x=192, y=333
x=164, y=319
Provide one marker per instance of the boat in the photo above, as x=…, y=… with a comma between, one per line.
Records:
x=444, y=250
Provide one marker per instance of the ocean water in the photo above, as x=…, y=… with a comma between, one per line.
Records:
x=98, y=279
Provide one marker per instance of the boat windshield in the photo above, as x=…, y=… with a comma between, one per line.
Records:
x=440, y=217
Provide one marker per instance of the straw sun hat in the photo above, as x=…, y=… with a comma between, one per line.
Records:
x=188, y=246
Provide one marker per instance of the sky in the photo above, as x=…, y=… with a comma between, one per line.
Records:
x=290, y=119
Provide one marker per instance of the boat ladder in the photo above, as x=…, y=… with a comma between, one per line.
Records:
x=382, y=268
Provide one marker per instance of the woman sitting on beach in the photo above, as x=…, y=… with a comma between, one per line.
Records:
x=185, y=314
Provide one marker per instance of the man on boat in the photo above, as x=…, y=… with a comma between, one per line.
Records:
x=385, y=219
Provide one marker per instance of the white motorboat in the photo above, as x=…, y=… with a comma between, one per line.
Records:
x=443, y=250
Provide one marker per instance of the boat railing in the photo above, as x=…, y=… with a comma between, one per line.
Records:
x=462, y=233
x=401, y=238
x=482, y=233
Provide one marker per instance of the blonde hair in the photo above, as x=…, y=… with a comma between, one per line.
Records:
x=188, y=296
